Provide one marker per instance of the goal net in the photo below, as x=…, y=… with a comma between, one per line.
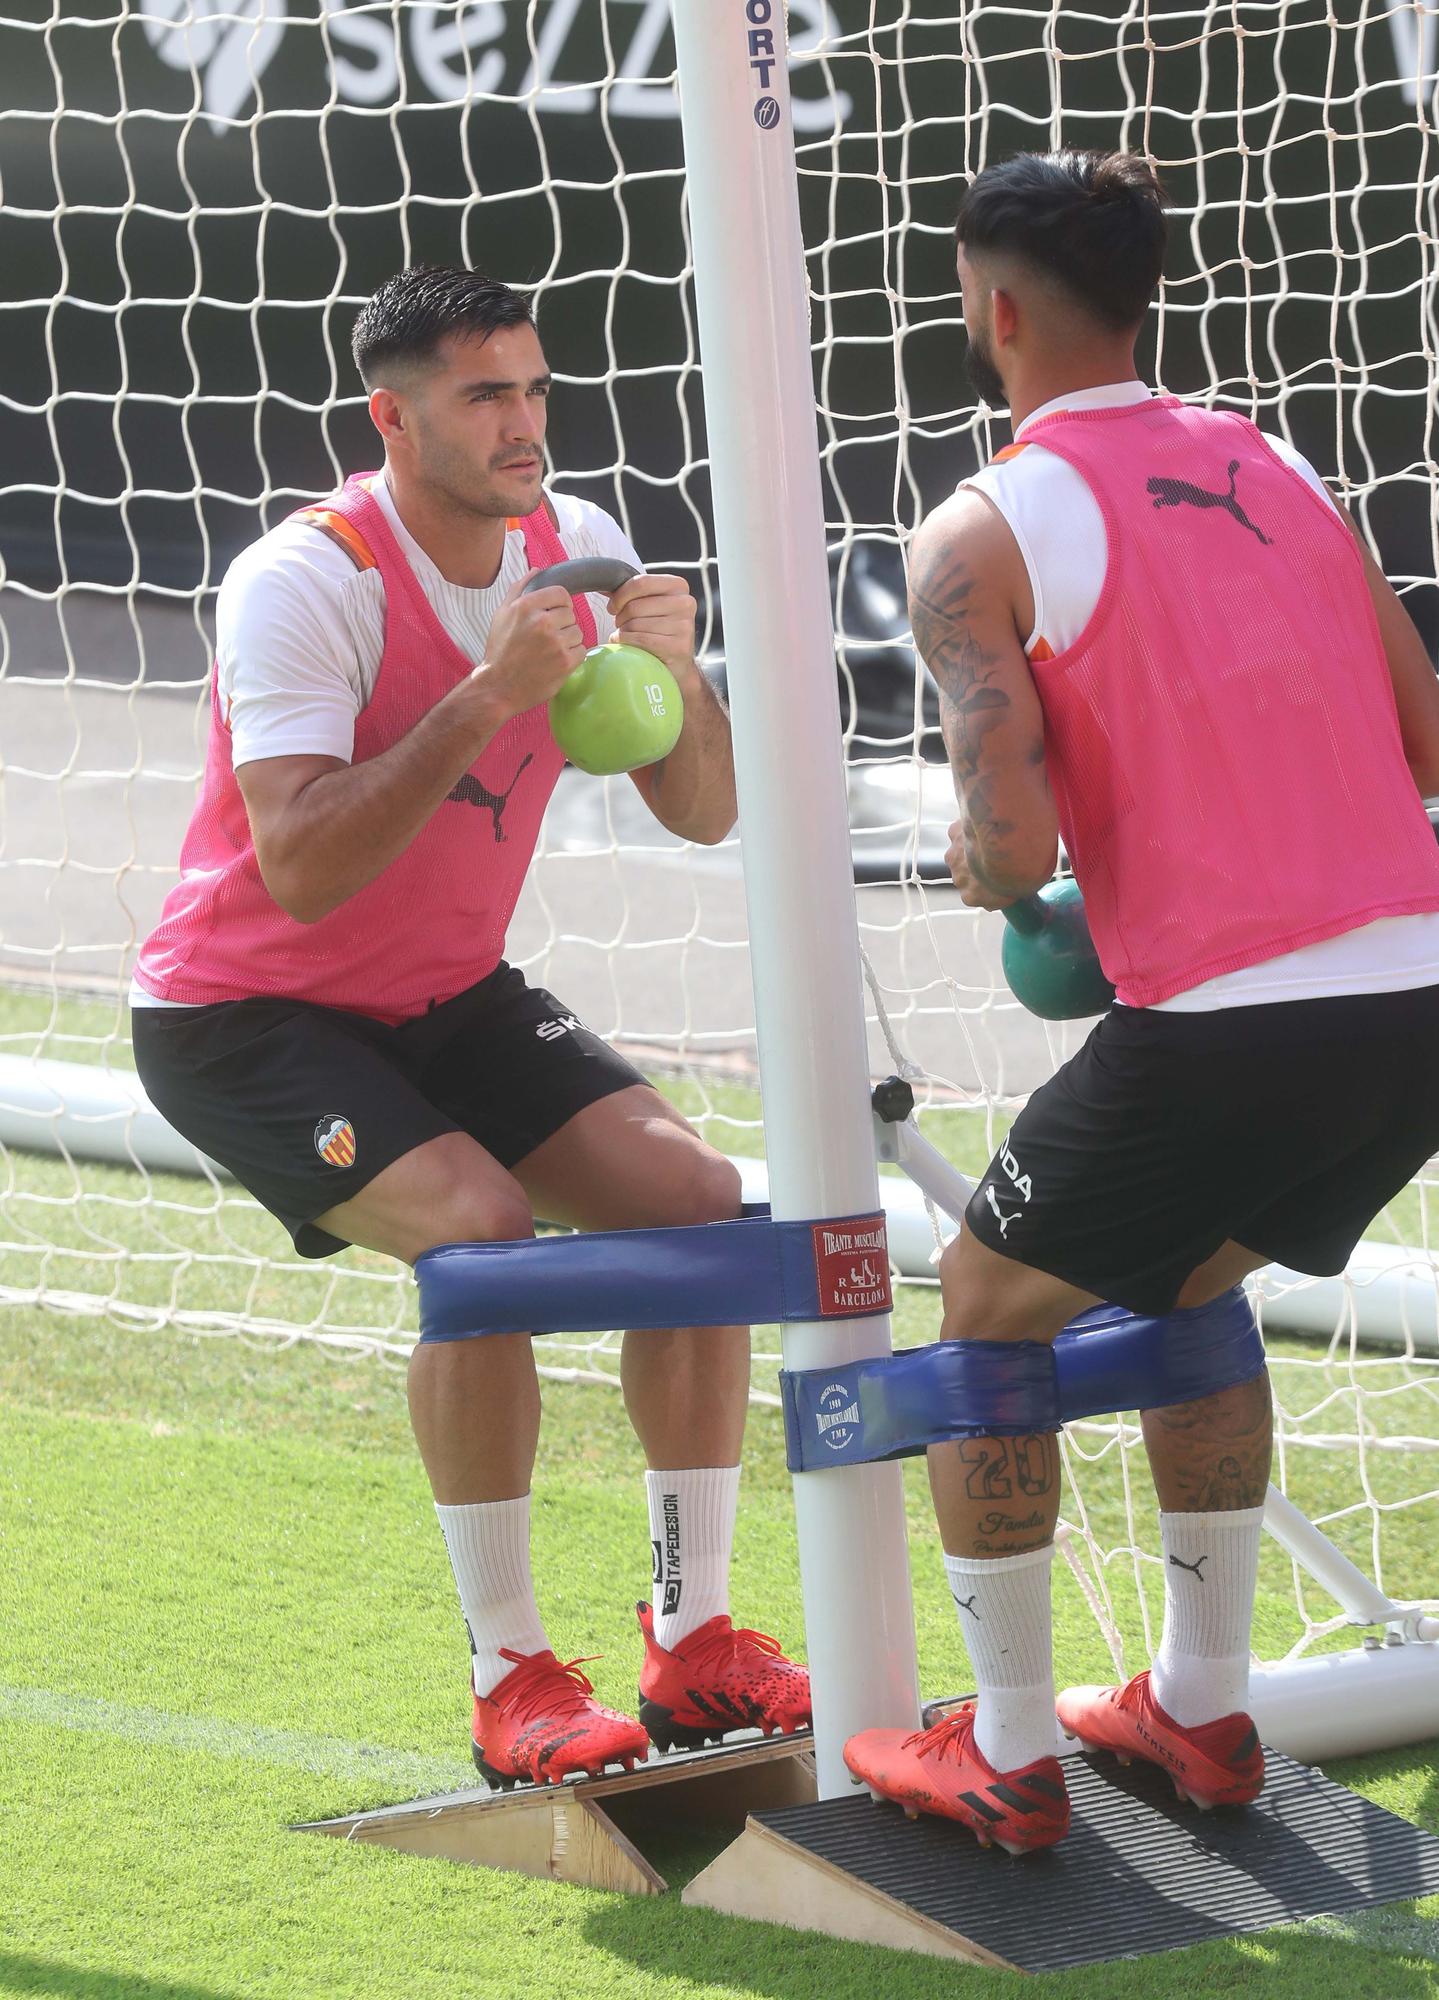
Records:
x=197, y=195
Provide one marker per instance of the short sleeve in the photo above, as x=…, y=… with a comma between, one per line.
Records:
x=288, y=680
x=1297, y=462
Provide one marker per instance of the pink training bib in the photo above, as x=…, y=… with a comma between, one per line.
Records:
x=434, y=922
x=1222, y=739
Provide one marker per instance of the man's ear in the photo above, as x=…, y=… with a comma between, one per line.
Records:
x=1004, y=317
x=386, y=414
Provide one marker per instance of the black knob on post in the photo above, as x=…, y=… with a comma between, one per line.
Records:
x=892, y=1100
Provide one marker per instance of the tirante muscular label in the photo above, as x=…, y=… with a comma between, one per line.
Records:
x=851, y=1265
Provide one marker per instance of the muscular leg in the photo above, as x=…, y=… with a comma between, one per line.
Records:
x=474, y=1404
x=1213, y=1454
x=632, y=1162
x=997, y=1501
x=1210, y=1461
x=628, y=1162
x=998, y=1496
x=1209, y=1454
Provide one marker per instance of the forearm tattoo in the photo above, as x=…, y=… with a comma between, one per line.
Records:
x=972, y=702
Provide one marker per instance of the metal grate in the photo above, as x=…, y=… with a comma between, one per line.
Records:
x=1139, y=1872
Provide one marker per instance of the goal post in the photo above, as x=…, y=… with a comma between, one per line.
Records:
x=789, y=760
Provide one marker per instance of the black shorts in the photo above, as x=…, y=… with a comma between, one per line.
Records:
x=305, y=1105
x=1284, y=1128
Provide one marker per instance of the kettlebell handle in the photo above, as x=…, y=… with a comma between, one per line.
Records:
x=602, y=574
x=1028, y=916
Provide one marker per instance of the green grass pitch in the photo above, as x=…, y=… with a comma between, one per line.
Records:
x=228, y=1609
x=225, y=1607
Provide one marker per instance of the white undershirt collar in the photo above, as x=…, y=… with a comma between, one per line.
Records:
x=1108, y=396
x=422, y=564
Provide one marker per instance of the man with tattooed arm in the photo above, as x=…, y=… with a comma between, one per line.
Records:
x=1154, y=633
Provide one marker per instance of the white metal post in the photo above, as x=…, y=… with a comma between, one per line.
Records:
x=799, y=888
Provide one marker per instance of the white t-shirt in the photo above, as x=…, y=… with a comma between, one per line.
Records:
x=300, y=630
x=1057, y=522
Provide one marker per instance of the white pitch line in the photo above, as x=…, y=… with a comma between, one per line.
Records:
x=323, y=1756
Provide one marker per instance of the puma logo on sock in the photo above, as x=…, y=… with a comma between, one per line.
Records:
x=1193, y=1567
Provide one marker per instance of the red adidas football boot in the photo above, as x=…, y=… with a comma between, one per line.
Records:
x=940, y=1770
x=717, y=1680
x=1214, y=1764
x=539, y=1726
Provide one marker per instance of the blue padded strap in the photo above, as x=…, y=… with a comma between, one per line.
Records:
x=898, y=1404
x=1110, y=1360
x=1106, y=1360
x=750, y=1272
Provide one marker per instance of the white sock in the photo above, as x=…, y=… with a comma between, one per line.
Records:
x=1003, y=1604
x=1211, y=1564
x=691, y=1532
x=489, y=1545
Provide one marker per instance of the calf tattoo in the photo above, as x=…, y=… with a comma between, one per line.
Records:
x=999, y=1464
x=998, y=1468
x=1034, y=1462
x=991, y=1477
x=999, y=1523
x=1212, y=1456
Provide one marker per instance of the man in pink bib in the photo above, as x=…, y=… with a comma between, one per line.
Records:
x=1156, y=635
x=324, y=1006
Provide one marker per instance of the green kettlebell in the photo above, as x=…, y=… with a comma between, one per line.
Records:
x=1049, y=958
x=621, y=707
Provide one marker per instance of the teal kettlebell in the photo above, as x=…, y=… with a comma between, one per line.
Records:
x=1049, y=958
x=621, y=708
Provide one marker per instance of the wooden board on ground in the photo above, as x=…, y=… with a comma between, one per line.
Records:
x=591, y=1831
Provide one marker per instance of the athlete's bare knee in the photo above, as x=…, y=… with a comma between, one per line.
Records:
x=976, y=1307
x=483, y=1215
x=707, y=1191
x=989, y=1297
x=952, y=1268
x=977, y=1287
x=986, y=1316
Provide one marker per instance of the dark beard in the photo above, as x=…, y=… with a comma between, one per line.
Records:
x=985, y=378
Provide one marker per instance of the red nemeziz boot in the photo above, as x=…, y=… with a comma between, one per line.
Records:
x=940, y=1770
x=716, y=1680
x=1214, y=1763
x=540, y=1726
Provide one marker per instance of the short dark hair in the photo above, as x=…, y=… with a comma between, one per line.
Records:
x=415, y=310
x=1094, y=222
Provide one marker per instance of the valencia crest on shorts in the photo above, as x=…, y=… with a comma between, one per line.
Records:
x=335, y=1140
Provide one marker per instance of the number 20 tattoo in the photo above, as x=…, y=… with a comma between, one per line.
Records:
x=997, y=1464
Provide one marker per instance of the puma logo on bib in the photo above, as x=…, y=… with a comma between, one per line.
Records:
x=1180, y=493
x=470, y=792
